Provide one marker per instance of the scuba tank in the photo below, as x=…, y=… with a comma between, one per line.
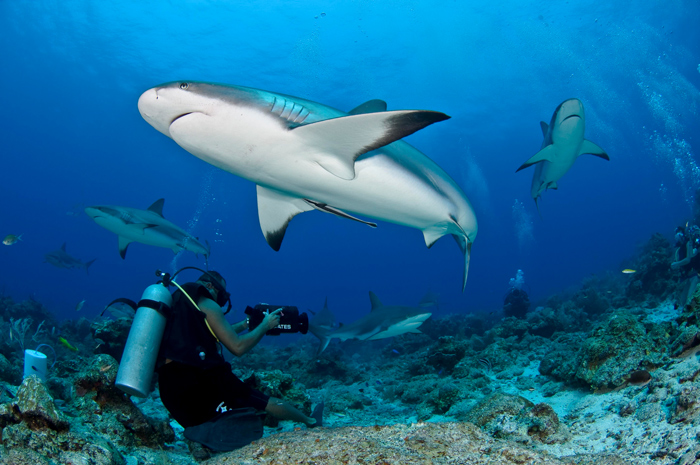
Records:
x=141, y=351
x=143, y=344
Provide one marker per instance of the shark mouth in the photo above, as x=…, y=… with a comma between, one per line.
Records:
x=570, y=116
x=180, y=116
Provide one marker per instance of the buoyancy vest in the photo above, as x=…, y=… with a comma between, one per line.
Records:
x=187, y=338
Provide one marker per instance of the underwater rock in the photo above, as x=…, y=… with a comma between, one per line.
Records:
x=616, y=347
x=9, y=372
x=35, y=406
x=687, y=405
x=514, y=417
x=562, y=317
x=510, y=326
x=445, y=356
x=112, y=334
x=591, y=301
x=560, y=361
x=418, y=443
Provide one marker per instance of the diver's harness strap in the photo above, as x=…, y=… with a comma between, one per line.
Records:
x=159, y=307
x=195, y=306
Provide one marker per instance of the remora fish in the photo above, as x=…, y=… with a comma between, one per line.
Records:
x=144, y=226
x=61, y=259
x=382, y=322
x=563, y=143
x=305, y=155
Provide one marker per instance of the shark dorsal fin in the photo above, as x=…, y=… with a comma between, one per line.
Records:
x=370, y=106
x=544, y=127
x=157, y=207
x=63, y=247
x=374, y=300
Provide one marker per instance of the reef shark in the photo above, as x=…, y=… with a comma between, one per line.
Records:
x=563, y=143
x=145, y=226
x=304, y=156
x=382, y=322
x=61, y=259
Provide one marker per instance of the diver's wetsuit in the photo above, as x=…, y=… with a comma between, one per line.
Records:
x=197, y=383
x=694, y=264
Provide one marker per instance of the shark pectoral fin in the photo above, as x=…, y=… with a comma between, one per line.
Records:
x=337, y=212
x=338, y=142
x=275, y=210
x=553, y=185
x=370, y=106
x=415, y=330
x=157, y=207
x=123, y=245
x=546, y=154
x=592, y=149
x=545, y=127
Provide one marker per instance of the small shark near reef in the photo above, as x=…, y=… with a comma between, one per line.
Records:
x=382, y=322
x=61, y=259
x=145, y=226
x=304, y=155
x=563, y=143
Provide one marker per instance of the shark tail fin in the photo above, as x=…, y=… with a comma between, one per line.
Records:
x=87, y=265
x=323, y=335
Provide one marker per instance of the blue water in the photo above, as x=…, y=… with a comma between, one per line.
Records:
x=72, y=136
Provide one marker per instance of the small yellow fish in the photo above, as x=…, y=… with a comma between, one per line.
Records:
x=105, y=368
x=11, y=239
x=67, y=344
x=629, y=271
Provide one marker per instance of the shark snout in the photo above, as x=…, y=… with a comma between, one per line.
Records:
x=155, y=112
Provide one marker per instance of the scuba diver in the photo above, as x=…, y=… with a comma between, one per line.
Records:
x=196, y=384
x=687, y=259
x=686, y=255
x=516, y=302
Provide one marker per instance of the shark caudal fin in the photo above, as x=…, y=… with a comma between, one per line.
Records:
x=87, y=265
x=321, y=326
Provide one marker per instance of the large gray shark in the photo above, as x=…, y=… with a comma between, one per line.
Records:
x=145, y=226
x=563, y=143
x=61, y=259
x=304, y=156
x=382, y=322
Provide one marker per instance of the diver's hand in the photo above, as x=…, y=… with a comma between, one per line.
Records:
x=272, y=320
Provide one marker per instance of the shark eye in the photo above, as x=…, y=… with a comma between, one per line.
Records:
x=184, y=86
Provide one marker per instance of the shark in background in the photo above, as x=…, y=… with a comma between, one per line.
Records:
x=61, y=259
x=145, y=226
x=563, y=143
x=305, y=156
x=382, y=322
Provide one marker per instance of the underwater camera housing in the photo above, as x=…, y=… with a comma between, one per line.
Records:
x=291, y=321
